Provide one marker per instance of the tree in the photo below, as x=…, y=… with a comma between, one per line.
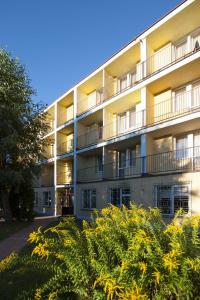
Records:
x=22, y=124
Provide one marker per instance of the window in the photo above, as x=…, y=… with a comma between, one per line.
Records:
x=196, y=94
x=36, y=198
x=123, y=83
x=182, y=150
x=196, y=152
x=47, y=198
x=196, y=41
x=181, y=49
x=180, y=100
x=122, y=123
x=120, y=196
x=133, y=77
x=122, y=163
x=170, y=198
x=99, y=162
x=89, y=198
x=132, y=157
x=132, y=118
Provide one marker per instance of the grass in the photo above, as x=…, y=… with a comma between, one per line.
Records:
x=7, y=229
x=21, y=274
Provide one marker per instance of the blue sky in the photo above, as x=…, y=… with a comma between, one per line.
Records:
x=62, y=41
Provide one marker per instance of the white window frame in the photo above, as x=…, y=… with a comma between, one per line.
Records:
x=172, y=196
x=121, y=194
x=91, y=193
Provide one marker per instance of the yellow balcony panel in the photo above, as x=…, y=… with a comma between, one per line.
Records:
x=65, y=109
x=90, y=166
x=65, y=140
x=90, y=93
x=50, y=119
x=90, y=130
x=46, y=177
x=64, y=172
x=49, y=149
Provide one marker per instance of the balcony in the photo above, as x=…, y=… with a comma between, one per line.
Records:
x=130, y=123
x=66, y=115
x=181, y=103
x=90, y=101
x=65, y=147
x=183, y=160
x=65, y=177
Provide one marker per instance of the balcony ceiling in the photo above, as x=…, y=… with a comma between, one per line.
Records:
x=92, y=84
x=177, y=27
x=125, y=63
x=125, y=103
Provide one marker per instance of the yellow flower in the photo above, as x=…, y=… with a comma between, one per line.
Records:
x=157, y=276
x=142, y=267
x=41, y=250
x=170, y=260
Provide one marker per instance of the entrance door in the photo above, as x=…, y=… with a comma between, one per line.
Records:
x=66, y=200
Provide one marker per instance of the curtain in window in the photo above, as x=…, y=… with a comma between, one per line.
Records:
x=122, y=123
x=181, y=49
x=181, y=100
x=196, y=94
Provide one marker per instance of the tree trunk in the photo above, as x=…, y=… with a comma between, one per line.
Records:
x=6, y=206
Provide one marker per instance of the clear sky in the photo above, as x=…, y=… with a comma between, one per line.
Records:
x=62, y=41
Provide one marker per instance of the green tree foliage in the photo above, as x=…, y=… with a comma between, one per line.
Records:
x=121, y=254
x=21, y=127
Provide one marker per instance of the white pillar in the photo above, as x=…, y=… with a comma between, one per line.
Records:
x=75, y=155
x=143, y=57
x=143, y=106
x=55, y=161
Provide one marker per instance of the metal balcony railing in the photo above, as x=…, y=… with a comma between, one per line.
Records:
x=177, y=105
x=162, y=59
x=65, y=147
x=183, y=160
x=112, y=130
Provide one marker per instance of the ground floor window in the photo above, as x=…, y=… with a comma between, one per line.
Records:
x=47, y=198
x=170, y=198
x=89, y=198
x=36, y=198
x=120, y=196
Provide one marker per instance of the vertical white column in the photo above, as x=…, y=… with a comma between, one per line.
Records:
x=143, y=57
x=143, y=152
x=55, y=160
x=75, y=155
x=143, y=106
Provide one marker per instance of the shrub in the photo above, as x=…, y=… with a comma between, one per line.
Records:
x=121, y=254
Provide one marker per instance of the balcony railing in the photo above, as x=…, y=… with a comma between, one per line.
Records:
x=51, y=124
x=65, y=177
x=162, y=59
x=183, y=160
x=177, y=105
x=112, y=130
x=90, y=101
x=65, y=147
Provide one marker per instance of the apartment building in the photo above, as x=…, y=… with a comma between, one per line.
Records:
x=131, y=129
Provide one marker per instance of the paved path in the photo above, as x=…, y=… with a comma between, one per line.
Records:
x=16, y=241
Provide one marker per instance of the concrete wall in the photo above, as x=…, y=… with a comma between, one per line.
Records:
x=142, y=190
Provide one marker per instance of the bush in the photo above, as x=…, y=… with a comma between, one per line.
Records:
x=121, y=254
